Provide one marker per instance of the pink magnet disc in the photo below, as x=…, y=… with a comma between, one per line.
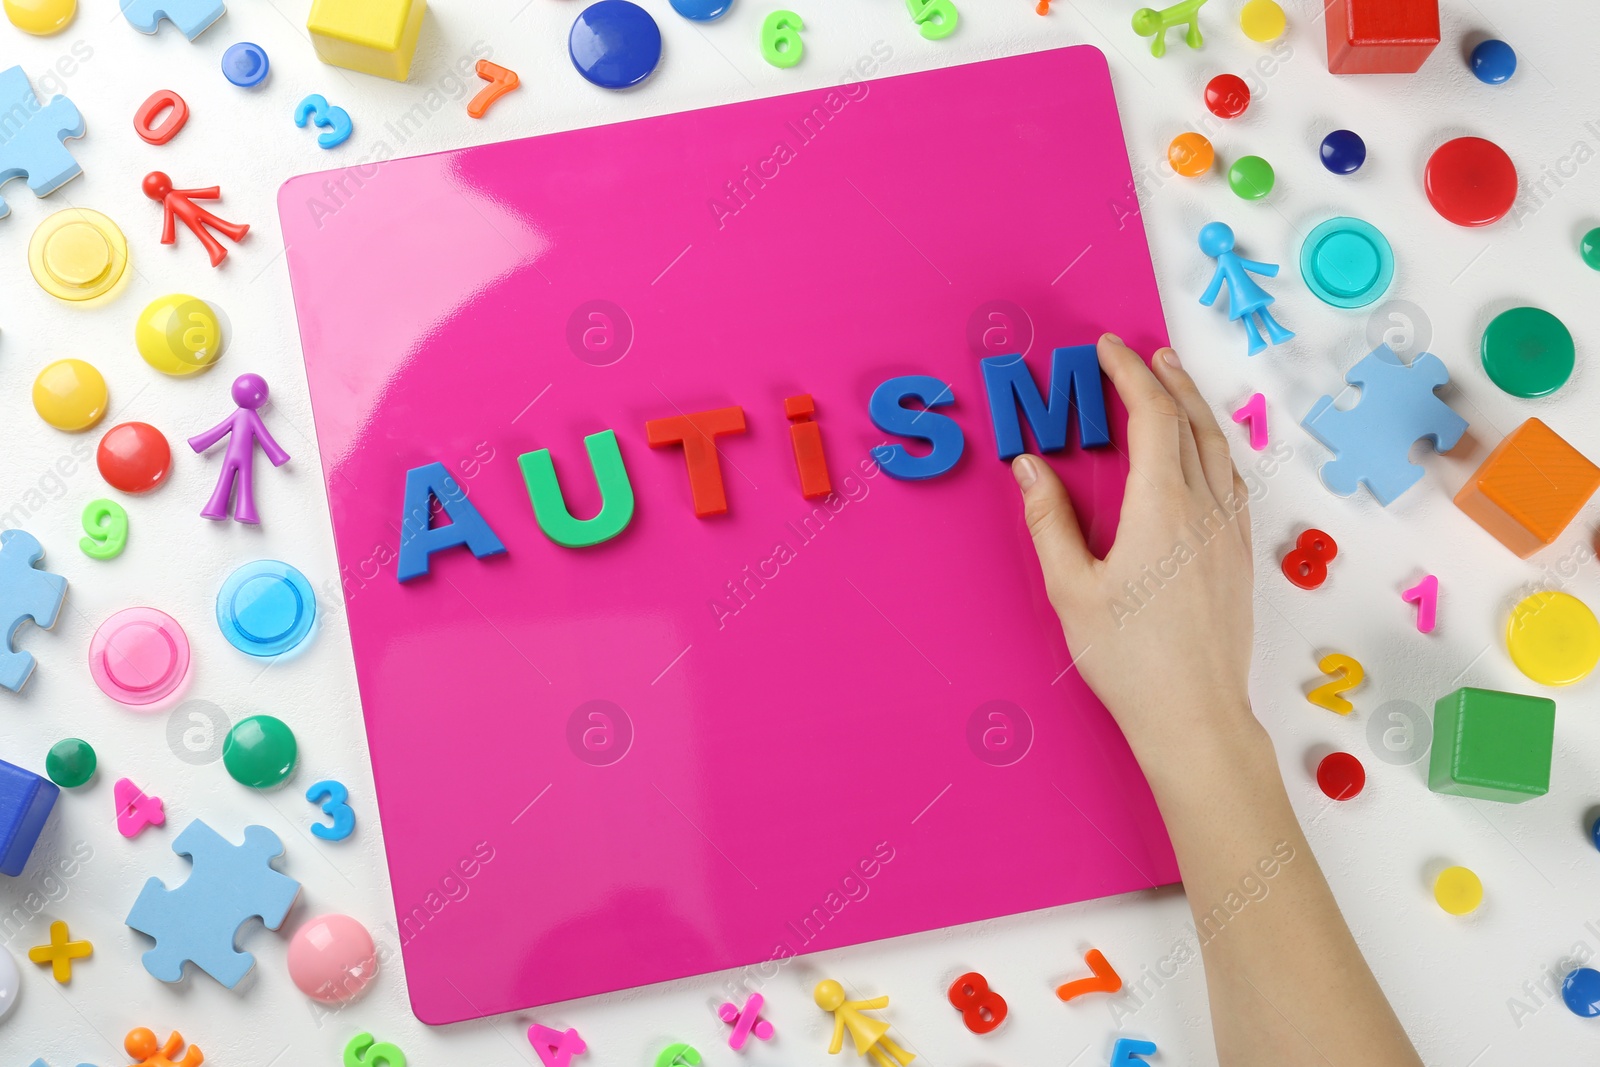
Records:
x=139, y=656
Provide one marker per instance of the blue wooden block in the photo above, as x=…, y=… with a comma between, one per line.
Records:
x=1371, y=442
x=923, y=424
x=198, y=922
x=31, y=137
x=25, y=804
x=192, y=17
x=1074, y=379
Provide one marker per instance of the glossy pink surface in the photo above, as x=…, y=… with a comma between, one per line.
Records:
x=591, y=776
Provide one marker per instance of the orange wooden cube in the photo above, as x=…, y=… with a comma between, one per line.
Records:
x=1529, y=488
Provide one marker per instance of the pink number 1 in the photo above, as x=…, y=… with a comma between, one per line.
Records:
x=1255, y=413
x=1425, y=595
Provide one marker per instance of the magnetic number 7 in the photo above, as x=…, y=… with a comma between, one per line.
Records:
x=333, y=796
x=1349, y=675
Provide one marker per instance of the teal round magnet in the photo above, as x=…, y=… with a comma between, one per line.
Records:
x=615, y=44
x=266, y=608
x=702, y=10
x=1347, y=263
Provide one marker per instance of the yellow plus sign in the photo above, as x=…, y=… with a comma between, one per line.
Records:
x=60, y=952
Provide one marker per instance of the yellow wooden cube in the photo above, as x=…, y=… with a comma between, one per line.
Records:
x=372, y=36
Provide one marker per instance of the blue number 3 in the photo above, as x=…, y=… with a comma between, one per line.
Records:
x=344, y=819
x=336, y=120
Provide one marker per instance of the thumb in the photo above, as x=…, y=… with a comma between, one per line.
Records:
x=1057, y=538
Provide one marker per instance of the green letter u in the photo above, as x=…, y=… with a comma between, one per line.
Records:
x=550, y=508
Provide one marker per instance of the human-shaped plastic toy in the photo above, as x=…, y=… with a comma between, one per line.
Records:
x=871, y=1035
x=141, y=1044
x=243, y=429
x=180, y=204
x=1245, y=297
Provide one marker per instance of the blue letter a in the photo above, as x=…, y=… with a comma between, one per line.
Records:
x=419, y=540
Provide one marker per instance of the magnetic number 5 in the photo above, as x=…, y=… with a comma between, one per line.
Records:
x=333, y=796
x=780, y=39
x=336, y=120
x=1349, y=675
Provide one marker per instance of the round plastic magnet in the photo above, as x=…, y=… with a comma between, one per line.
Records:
x=134, y=457
x=1493, y=62
x=1528, y=352
x=702, y=10
x=615, y=44
x=1458, y=891
x=40, y=18
x=1553, y=638
x=1347, y=263
x=10, y=982
x=178, y=334
x=1580, y=991
x=71, y=763
x=1589, y=249
x=1343, y=152
x=139, y=656
x=1262, y=20
x=266, y=608
x=1340, y=776
x=259, y=751
x=245, y=64
x=332, y=958
x=1470, y=181
x=1227, y=96
x=77, y=254
x=1190, y=154
x=1251, y=178
x=70, y=394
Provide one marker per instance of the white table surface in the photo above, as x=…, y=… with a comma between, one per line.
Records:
x=1455, y=982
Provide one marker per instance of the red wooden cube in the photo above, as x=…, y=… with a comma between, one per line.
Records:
x=1381, y=36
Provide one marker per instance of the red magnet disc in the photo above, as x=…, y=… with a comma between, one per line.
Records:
x=1341, y=776
x=134, y=457
x=1227, y=96
x=1470, y=181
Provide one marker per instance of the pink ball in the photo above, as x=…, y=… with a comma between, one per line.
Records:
x=332, y=958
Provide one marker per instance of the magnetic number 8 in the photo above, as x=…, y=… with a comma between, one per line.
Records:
x=780, y=39
x=1306, y=565
x=981, y=1008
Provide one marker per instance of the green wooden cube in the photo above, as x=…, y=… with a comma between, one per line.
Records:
x=1492, y=745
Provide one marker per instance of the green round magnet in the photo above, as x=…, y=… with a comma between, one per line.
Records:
x=1589, y=248
x=71, y=763
x=1251, y=178
x=259, y=751
x=1528, y=352
x=1347, y=263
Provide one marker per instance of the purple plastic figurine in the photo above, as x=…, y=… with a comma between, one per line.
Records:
x=243, y=429
x=1245, y=297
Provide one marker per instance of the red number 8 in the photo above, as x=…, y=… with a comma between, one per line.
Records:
x=981, y=1008
x=1307, y=564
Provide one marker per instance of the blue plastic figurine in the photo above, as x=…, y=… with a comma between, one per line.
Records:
x=1245, y=297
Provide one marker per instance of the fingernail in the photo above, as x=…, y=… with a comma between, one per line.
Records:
x=1023, y=470
x=1113, y=338
x=1171, y=357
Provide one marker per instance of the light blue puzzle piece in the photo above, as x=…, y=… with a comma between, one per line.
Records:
x=1372, y=441
x=199, y=921
x=26, y=592
x=41, y=1063
x=192, y=17
x=31, y=136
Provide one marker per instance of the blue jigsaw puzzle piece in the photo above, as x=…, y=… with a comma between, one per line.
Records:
x=199, y=921
x=192, y=17
x=25, y=804
x=41, y=1063
x=1372, y=441
x=25, y=593
x=31, y=136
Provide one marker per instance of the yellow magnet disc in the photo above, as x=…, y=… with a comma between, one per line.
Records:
x=1458, y=891
x=70, y=394
x=178, y=334
x=41, y=17
x=1553, y=638
x=77, y=254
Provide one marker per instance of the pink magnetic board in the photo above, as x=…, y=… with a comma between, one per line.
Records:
x=710, y=743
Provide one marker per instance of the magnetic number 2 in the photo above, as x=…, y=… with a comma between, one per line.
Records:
x=1349, y=674
x=981, y=1008
x=333, y=796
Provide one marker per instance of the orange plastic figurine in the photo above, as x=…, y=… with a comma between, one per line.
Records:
x=141, y=1045
x=180, y=204
x=870, y=1035
x=1531, y=486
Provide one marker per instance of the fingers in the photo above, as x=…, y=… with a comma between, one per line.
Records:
x=1155, y=427
x=1215, y=460
x=1057, y=538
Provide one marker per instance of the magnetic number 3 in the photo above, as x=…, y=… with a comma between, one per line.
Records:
x=333, y=797
x=336, y=120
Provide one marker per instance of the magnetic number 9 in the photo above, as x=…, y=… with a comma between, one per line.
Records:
x=106, y=523
x=780, y=39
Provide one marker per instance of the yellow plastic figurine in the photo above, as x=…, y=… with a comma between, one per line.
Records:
x=871, y=1035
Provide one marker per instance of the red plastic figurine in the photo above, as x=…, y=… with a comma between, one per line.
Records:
x=180, y=204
